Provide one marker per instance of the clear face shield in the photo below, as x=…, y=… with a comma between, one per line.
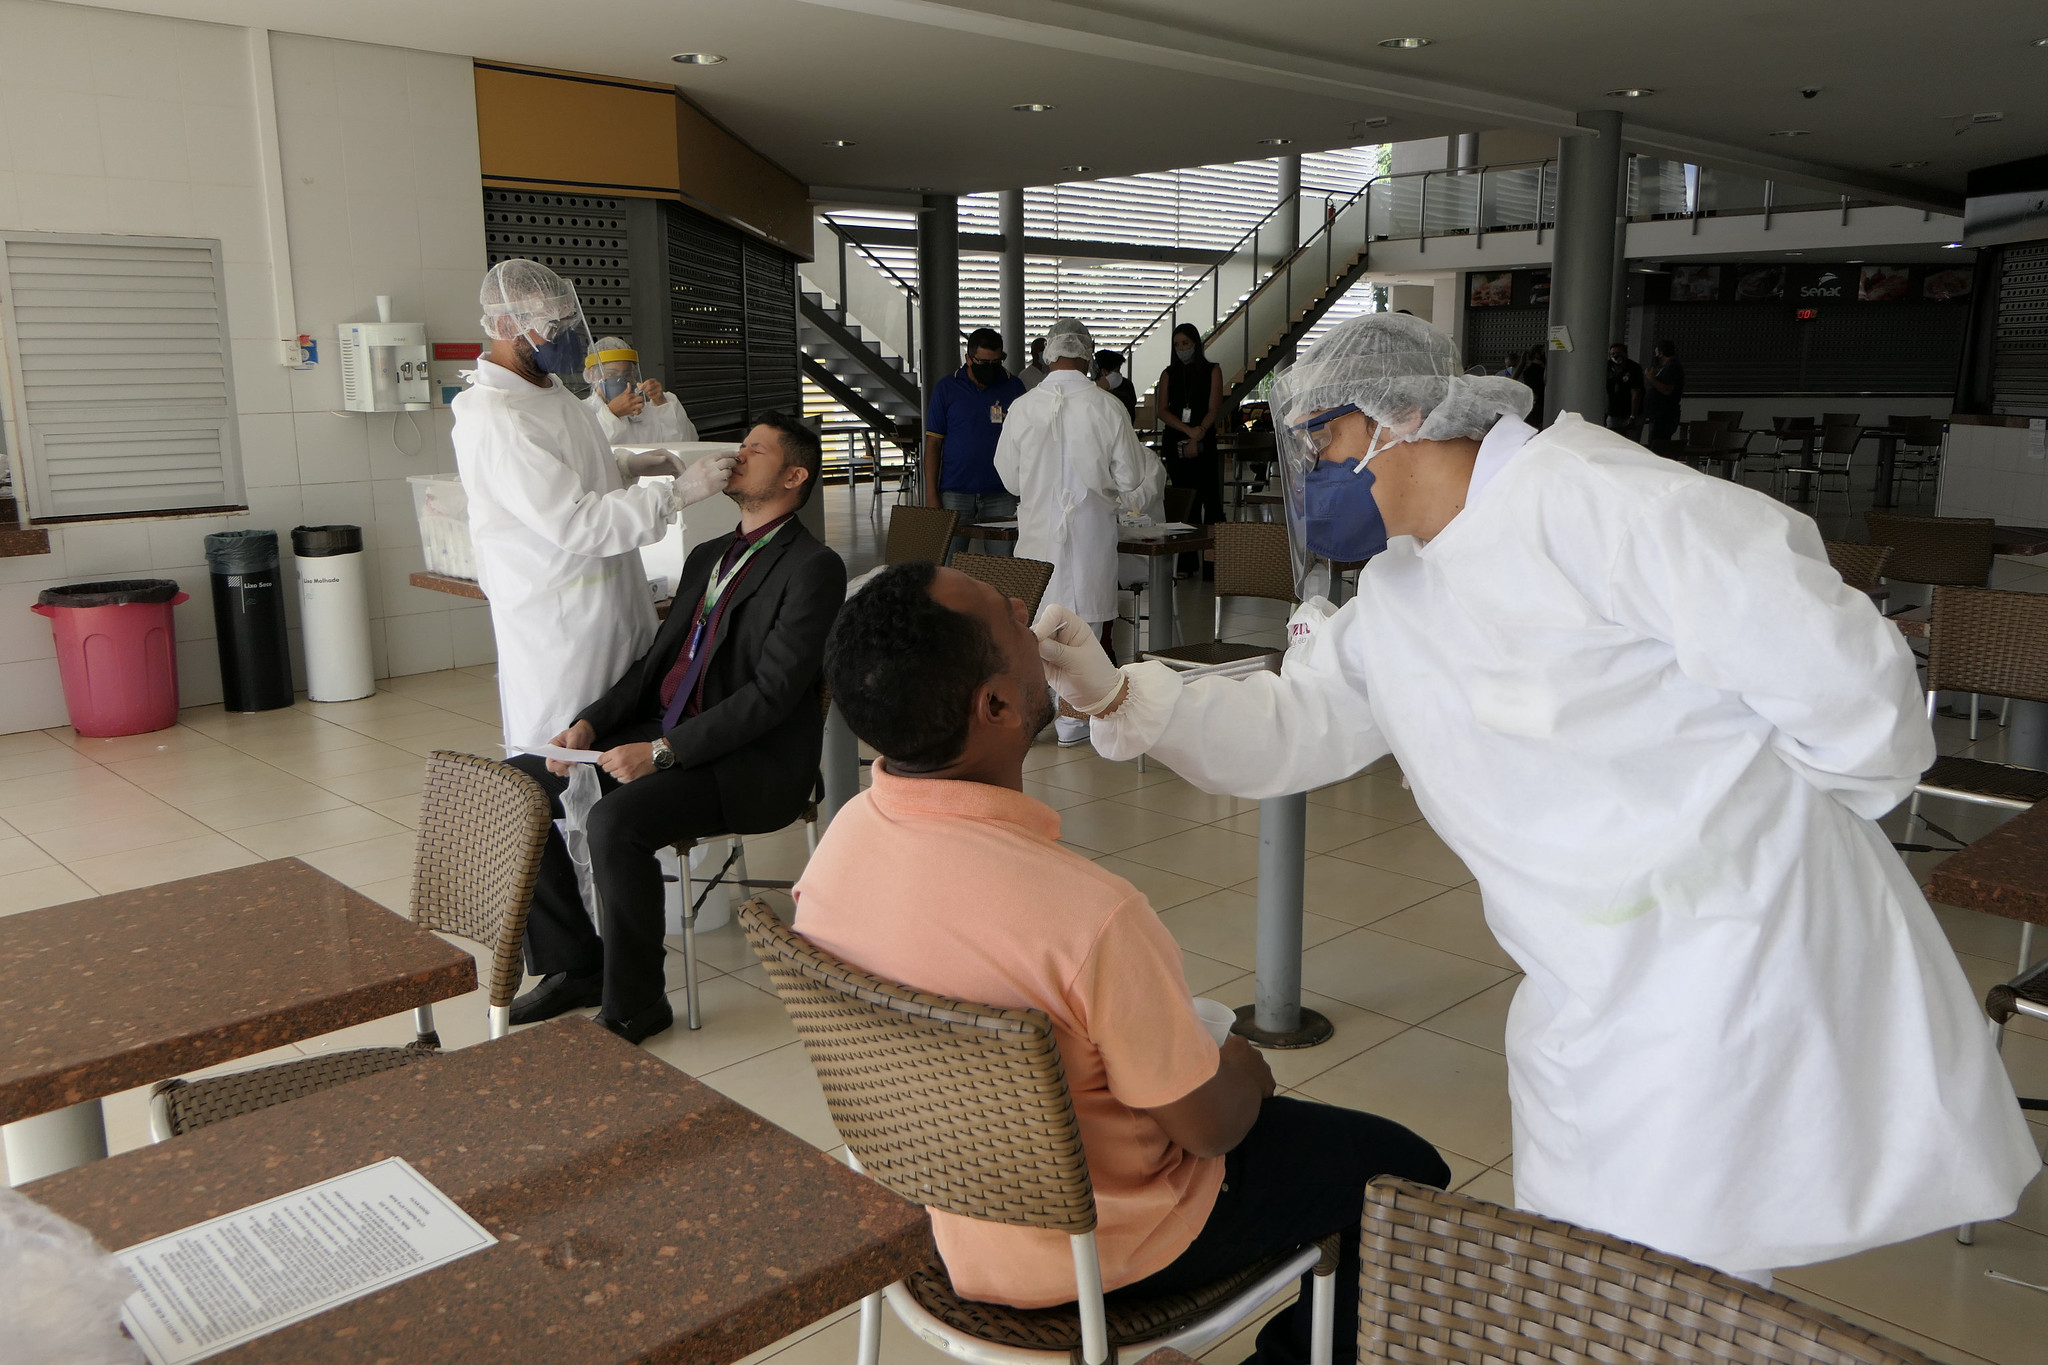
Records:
x=612, y=369
x=1333, y=522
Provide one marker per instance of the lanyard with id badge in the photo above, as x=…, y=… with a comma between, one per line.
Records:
x=706, y=610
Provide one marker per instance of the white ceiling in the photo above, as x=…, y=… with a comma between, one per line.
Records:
x=924, y=87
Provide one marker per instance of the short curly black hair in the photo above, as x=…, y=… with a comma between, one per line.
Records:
x=904, y=669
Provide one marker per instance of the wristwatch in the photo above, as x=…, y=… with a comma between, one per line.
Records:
x=664, y=757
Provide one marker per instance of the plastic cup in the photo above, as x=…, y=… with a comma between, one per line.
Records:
x=1216, y=1017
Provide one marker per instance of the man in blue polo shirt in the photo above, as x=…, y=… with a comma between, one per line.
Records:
x=960, y=432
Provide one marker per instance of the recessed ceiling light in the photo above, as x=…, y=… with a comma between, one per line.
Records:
x=1791, y=132
x=1380, y=122
x=1632, y=92
x=1950, y=246
x=1795, y=253
x=2041, y=42
x=1031, y=108
x=698, y=58
x=1854, y=260
x=1406, y=42
x=1276, y=142
x=1077, y=170
x=837, y=142
x=1906, y=165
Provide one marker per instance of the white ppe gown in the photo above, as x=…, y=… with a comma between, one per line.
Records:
x=654, y=425
x=1068, y=452
x=1658, y=729
x=557, y=536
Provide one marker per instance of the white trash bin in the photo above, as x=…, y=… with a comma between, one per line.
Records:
x=334, y=612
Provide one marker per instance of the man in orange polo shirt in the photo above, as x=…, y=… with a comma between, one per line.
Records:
x=946, y=877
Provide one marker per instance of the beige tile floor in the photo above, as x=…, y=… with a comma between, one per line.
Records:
x=1399, y=956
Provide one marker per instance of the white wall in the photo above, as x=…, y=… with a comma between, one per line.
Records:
x=123, y=123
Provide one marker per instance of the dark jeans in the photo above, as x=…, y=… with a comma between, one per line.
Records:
x=1660, y=428
x=980, y=507
x=630, y=822
x=1299, y=1174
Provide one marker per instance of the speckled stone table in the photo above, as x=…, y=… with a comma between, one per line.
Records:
x=102, y=995
x=642, y=1216
x=2003, y=873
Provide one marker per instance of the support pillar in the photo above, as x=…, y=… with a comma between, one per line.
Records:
x=1582, y=264
x=938, y=288
x=1464, y=151
x=1288, y=196
x=1278, y=1019
x=1010, y=279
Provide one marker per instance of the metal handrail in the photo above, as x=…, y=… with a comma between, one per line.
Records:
x=912, y=349
x=846, y=240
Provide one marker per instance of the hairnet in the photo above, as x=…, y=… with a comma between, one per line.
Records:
x=525, y=296
x=1402, y=373
x=1068, y=339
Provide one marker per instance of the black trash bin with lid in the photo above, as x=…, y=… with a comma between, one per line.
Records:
x=248, y=620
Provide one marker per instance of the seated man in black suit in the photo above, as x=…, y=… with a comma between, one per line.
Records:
x=715, y=730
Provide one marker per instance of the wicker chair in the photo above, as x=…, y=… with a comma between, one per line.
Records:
x=1252, y=560
x=919, y=534
x=483, y=826
x=1447, y=1278
x=1986, y=641
x=1953, y=550
x=1861, y=566
x=1023, y=579
x=964, y=1108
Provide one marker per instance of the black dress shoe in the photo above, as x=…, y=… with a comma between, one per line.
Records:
x=558, y=994
x=656, y=1018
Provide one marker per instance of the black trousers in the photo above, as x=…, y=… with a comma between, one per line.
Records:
x=1202, y=471
x=1662, y=427
x=630, y=822
x=1299, y=1174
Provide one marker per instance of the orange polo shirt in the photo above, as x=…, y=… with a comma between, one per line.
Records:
x=962, y=889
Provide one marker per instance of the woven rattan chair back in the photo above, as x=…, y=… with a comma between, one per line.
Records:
x=1859, y=565
x=1952, y=550
x=919, y=534
x=1448, y=1278
x=483, y=826
x=1023, y=579
x=956, y=1106
x=1989, y=642
x=1252, y=560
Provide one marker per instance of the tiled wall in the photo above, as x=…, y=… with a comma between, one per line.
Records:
x=123, y=123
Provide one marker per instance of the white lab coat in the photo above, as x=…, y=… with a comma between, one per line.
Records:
x=654, y=425
x=557, y=536
x=1068, y=452
x=1657, y=728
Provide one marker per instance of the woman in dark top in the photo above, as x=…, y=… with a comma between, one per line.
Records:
x=1189, y=401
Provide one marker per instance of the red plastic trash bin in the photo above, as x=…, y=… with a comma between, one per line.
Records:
x=117, y=652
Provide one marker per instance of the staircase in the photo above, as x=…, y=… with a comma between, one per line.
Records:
x=843, y=361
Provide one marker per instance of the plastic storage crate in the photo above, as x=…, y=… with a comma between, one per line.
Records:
x=443, y=511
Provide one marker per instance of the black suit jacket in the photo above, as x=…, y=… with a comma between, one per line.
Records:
x=762, y=724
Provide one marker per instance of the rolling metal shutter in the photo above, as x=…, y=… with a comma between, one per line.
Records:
x=733, y=314
x=581, y=237
x=772, y=371
x=2020, y=354
x=117, y=352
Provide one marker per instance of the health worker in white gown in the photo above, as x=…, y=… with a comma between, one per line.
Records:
x=632, y=410
x=1657, y=727
x=1069, y=454
x=555, y=518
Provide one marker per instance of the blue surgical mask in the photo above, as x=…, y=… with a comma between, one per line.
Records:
x=566, y=353
x=611, y=386
x=1343, y=522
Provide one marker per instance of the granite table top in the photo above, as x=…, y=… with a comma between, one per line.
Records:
x=641, y=1215
x=2003, y=873
x=102, y=995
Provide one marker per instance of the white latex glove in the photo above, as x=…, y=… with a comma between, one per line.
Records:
x=1074, y=662
x=702, y=479
x=638, y=464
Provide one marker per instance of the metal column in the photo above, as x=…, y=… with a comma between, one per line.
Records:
x=1010, y=279
x=1582, y=264
x=1278, y=1019
x=839, y=766
x=1464, y=151
x=938, y=287
x=53, y=1142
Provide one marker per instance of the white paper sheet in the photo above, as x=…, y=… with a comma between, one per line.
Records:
x=232, y=1279
x=1159, y=532
x=561, y=755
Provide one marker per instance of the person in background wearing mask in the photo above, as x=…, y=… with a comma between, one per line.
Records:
x=1665, y=397
x=633, y=411
x=1659, y=730
x=1624, y=392
x=554, y=514
x=1189, y=400
x=1034, y=374
x=960, y=431
x=1070, y=455
x=1109, y=373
